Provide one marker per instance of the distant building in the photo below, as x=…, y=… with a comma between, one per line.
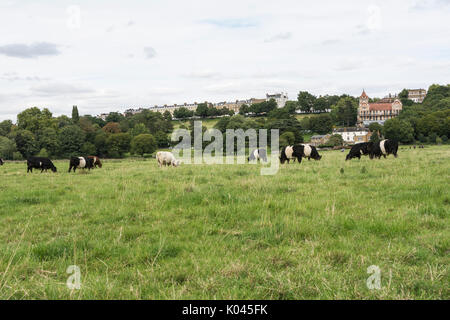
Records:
x=103, y=116
x=280, y=98
x=417, y=95
x=380, y=111
x=320, y=140
x=353, y=135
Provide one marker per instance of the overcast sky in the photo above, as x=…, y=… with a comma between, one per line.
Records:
x=108, y=55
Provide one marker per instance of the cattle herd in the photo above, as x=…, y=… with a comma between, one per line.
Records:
x=295, y=152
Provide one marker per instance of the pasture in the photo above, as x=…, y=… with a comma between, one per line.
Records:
x=226, y=232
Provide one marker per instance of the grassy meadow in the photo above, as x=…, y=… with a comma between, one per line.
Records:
x=226, y=232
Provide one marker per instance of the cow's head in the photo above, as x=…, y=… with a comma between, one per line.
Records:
x=176, y=163
x=54, y=169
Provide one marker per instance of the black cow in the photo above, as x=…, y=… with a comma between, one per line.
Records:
x=1, y=162
x=40, y=163
x=298, y=152
x=383, y=148
x=81, y=163
x=358, y=150
x=258, y=154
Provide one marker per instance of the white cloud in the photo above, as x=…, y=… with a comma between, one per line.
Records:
x=186, y=51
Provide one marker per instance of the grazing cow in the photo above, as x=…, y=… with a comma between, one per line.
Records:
x=165, y=158
x=383, y=148
x=258, y=154
x=298, y=152
x=81, y=163
x=96, y=161
x=287, y=154
x=357, y=150
x=1, y=162
x=40, y=163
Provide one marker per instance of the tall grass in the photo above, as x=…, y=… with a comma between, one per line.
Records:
x=226, y=232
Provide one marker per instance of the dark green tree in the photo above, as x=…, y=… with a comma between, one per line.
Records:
x=306, y=101
x=143, y=143
x=75, y=115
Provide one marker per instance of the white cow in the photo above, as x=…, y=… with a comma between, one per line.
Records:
x=167, y=159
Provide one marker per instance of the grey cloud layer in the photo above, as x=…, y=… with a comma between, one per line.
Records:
x=27, y=51
x=180, y=51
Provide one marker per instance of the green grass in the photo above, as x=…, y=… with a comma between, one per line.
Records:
x=226, y=232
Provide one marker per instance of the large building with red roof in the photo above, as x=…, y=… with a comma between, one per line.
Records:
x=378, y=111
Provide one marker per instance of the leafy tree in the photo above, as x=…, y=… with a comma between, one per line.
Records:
x=26, y=143
x=71, y=139
x=336, y=140
x=183, y=113
x=7, y=148
x=375, y=137
x=88, y=148
x=263, y=107
x=375, y=126
x=48, y=140
x=202, y=110
x=34, y=120
x=138, y=129
x=321, y=124
x=162, y=139
x=222, y=124
x=100, y=143
x=167, y=116
x=399, y=130
x=118, y=144
x=112, y=127
x=321, y=104
x=403, y=96
x=143, y=143
x=345, y=112
x=5, y=127
x=306, y=101
x=43, y=153
x=75, y=115
x=291, y=106
x=290, y=124
x=244, y=109
x=287, y=139
x=114, y=117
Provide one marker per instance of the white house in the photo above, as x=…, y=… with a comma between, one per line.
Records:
x=353, y=135
x=280, y=98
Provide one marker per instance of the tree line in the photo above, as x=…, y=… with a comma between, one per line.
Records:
x=38, y=132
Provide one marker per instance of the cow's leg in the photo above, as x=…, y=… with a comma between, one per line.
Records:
x=309, y=158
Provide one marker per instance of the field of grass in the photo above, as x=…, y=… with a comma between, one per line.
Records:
x=226, y=232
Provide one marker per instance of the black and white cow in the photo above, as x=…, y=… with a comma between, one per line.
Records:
x=258, y=154
x=1, y=162
x=383, y=148
x=40, y=163
x=358, y=150
x=81, y=163
x=298, y=152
